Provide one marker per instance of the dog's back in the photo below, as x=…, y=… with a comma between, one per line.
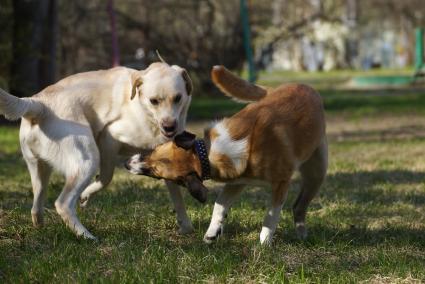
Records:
x=287, y=121
x=282, y=131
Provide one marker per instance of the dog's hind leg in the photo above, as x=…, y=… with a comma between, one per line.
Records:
x=108, y=156
x=185, y=225
x=271, y=220
x=222, y=205
x=313, y=173
x=40, y=173
x=82, y=164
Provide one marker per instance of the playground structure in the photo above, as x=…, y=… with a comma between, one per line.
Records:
x=398, y=80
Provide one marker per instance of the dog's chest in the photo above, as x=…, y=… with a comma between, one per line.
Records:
x=137, y=136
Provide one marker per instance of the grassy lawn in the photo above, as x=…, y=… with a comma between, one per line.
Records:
x=366, y=224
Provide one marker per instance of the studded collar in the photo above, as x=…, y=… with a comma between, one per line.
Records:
x=202, y=152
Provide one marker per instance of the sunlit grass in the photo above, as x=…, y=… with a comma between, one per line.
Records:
x=366, y=224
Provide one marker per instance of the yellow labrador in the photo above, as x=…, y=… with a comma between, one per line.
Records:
x=80, y=125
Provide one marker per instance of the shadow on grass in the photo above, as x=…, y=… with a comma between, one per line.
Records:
x=12, y=165
x=356, y=188
x=374, y=186
x=402, y=133
x=359, y=188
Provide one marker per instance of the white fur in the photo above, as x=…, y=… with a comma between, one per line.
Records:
x=266, y=236
x=13, y=108
x=269, y=224
x=82, y=123
x=236, y=150
x=221, y=207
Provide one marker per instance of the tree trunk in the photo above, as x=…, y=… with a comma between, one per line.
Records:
x=47, y=64
x=112, y=21
x=34, y=46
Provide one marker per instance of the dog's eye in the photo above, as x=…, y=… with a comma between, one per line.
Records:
x=154, y=102
x=177, y=99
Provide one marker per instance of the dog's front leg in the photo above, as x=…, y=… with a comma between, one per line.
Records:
x=222, y=205
x=185, y=225
x=108, y=148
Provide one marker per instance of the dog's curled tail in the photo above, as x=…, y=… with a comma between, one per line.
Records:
x=235, y=87
x=13, y=107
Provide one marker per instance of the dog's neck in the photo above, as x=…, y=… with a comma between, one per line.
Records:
x=202, y=153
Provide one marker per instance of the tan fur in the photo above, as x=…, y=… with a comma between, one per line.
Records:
x=284, y=131
x=223, y=166
x=176, y=166
x=235, y=87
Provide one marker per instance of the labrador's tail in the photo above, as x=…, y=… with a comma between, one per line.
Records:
x=13, y=107
x=235, y=87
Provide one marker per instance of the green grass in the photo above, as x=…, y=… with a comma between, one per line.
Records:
x=327, y=80
x=338, y=98
x=337, y=102
x=366, y=224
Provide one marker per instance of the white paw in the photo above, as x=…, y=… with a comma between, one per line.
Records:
x=84, y=201
x=213, y=235
x=88, y=236
x=37, y=220
x=266, y=236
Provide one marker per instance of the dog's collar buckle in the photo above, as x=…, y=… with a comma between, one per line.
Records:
x=201, y=151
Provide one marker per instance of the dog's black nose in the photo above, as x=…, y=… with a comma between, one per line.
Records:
x=169, y=128
x=169, y=125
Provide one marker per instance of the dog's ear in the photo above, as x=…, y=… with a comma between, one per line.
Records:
x=137, y=82
x=186, y=78
x=196, y=188
x=188, y=82
x=185, y=140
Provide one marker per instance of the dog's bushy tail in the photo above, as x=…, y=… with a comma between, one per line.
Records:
x=13, y=107
x=235, y=87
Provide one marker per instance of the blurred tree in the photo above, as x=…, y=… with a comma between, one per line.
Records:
x=34, y=46
x=6, y=22
x=195, y=34
x=112, y=21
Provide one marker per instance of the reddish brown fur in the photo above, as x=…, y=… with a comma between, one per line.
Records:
x=283, y=129
x=222, y=168
x=234, y=86
x=172, y=162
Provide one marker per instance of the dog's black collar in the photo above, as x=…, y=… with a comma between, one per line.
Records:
x=201, y=151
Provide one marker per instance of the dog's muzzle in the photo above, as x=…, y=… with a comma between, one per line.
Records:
x=135, y=165
x=169, y=129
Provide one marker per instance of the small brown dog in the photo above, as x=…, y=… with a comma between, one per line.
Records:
x=266, y=141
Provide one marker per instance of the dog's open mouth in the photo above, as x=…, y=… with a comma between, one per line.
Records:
x=168, y=134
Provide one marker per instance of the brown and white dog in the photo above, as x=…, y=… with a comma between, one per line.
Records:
x=283, y=131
